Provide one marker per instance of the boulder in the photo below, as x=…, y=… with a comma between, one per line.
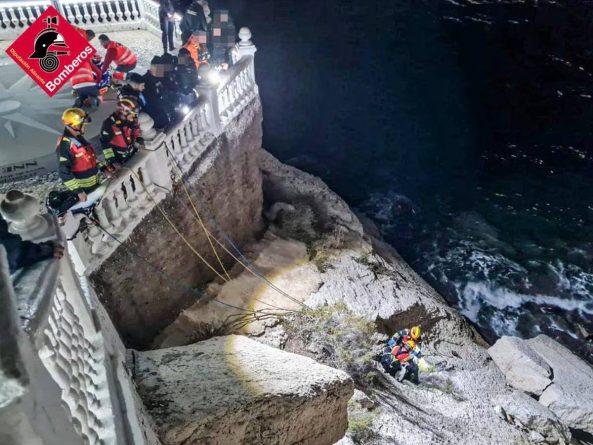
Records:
x=522, y=367
x=570, y=396
x=234, y=390
x=525, y=412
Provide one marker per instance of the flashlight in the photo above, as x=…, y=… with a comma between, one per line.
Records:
x=213, y=77
x=185, y=109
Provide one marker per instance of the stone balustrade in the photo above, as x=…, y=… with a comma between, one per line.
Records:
x=16, y=16
x=100, y=15
x=237, y=89
x=71, y=353
x=146, y=179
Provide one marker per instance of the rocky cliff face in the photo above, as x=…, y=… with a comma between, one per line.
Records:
x=225, y=184
x=462, y=396
x=355, y=289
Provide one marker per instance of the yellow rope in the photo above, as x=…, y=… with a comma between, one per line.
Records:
x=197, y=214
x=175, y=227
x=209, y=234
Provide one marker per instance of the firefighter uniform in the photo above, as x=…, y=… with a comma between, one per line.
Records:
x=118, y=138
x=78, y=167
x=122, y=57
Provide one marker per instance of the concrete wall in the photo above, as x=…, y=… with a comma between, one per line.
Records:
x=225, y=183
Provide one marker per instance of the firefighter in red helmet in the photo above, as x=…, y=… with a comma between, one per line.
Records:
x=120, y=135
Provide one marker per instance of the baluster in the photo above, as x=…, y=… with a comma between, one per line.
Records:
x=29, y=14
x=175, y=145
x=183, y=138
x=135, y=10
x=110, y=10
x=113, y=214
x=24, y=20
x=102, y=217
x=195, y=123
x=94, y=13
x=118, y=12
x=132, y=199
x=4, y=18
x=143, y=186
x=77, y=14
x=126, y=10
x=102, y=13
x=69, y=14
x=124, y=208
x=88, y=18
x=37, y=11
x=14, y=18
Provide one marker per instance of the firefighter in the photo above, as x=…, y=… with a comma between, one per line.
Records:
x=120, y=135
x=197, y=47
x=85, y=80
x=85, y=84
x=120, y=55
x=78, y=167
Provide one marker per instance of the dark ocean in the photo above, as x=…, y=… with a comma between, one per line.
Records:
x=463, y=128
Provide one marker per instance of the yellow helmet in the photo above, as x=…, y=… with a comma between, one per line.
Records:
x=411, y=343
x=415, y=332
x=74, y=117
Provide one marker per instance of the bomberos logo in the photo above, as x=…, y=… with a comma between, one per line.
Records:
x=58, y=51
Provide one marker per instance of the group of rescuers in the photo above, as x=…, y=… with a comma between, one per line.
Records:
x=165, y=92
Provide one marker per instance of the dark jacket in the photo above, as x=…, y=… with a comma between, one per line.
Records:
x=128, y=91
x=165, y=8
x=193, y=20
x=187, y=77
x=157, y=105
x=22, y=253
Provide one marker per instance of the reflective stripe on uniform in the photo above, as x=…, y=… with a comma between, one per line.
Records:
x=108, y=153
x=63, y=159
x=71, y=184
x=127, y=58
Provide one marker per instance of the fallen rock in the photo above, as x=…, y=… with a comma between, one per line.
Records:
x=234, y=390
x=570, y=396
x=526, y=413
x=522, y=367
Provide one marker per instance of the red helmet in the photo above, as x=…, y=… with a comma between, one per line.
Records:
x=127, y=105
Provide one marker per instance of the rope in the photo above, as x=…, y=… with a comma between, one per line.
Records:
x=198, y=217
x=175, y=282
x=175, y=227
x=246, y=266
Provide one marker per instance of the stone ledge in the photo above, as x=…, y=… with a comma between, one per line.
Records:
x=233, y=390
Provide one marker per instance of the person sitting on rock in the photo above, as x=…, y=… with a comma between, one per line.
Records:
x=404, y=347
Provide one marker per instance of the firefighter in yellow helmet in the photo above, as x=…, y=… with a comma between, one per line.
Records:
x=78, y=166
x=406, y=346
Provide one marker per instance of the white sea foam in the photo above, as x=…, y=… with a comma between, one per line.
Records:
x=481, y=293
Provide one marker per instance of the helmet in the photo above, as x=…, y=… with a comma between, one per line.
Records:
x=415, y=332
x=411, y=343
x=127, y=105
x=75, y=116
